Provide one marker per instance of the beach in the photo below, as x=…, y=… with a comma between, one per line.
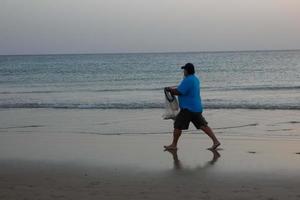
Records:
x=84, y=89
x=90, y=126
x=69, y=154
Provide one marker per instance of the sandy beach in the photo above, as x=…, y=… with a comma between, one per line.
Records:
x=39, y=162
x=86, y=88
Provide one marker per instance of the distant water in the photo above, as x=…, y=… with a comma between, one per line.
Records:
x=230, y=80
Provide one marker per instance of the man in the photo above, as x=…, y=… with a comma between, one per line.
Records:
x=190, y=107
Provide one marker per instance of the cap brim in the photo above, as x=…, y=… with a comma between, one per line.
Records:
x=183, y=67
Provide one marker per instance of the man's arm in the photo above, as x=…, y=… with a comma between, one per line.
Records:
x=173, y=90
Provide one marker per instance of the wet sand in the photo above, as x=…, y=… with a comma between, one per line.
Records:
x=41, y=161
x=136, y=167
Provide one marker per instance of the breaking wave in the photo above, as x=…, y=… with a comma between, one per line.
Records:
x=146, y=106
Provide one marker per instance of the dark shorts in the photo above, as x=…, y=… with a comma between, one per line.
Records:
x=184, y=118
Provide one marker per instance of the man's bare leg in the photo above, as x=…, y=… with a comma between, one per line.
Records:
x=211, y=134
x=176, y=135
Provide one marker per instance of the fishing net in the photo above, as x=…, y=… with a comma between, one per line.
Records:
x=171, y=105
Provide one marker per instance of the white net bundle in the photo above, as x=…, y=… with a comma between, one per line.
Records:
x=171, y=105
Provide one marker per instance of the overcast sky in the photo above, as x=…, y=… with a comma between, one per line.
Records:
x=108, y=26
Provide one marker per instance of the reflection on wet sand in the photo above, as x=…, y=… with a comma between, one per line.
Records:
x=178, y=165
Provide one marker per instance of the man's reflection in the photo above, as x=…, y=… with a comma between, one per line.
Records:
x=178, y=165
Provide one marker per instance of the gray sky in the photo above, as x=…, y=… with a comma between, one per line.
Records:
x=108, y=26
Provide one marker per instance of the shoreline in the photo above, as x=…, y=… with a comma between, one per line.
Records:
x=260, y=123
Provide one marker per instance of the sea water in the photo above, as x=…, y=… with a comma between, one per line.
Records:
x=229, y=80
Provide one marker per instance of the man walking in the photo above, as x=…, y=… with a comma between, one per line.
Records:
x=190, y=107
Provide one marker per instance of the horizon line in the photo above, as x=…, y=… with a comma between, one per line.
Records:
x=152, y=52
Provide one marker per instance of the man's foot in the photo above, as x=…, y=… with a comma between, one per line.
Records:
x=214, y=146
x=170, y=147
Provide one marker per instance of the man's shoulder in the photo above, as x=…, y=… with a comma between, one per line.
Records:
x=193, y=78
x=190, y=79
x=187, y=80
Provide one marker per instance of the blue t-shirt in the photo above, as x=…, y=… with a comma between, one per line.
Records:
x=189, y=89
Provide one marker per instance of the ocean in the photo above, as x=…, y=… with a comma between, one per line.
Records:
x=229, y=80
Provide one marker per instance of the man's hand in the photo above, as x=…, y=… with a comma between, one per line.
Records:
x=172, y=90
x=168, y=89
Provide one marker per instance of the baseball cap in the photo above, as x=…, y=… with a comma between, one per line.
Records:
x=189, y=67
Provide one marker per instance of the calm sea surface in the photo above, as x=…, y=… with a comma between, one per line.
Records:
x=229, y=80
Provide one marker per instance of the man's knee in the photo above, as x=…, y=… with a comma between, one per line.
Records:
x=177, y=131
